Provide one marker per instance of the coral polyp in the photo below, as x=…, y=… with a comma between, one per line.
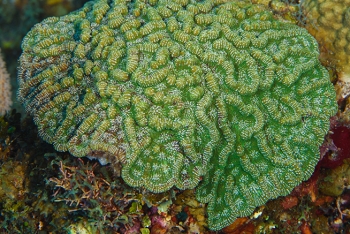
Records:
x=180, y=90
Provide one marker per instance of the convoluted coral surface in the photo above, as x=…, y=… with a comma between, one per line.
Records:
x=180, y=90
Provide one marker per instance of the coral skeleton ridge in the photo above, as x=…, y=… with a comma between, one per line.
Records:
x=179, y=91
x=5, y=88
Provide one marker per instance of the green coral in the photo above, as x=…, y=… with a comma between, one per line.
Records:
x=177, y=90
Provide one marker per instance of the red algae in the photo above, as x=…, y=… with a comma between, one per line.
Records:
x=289, y=202
x=340, y=147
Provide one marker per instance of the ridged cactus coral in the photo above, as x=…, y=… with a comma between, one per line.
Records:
x=182, y=91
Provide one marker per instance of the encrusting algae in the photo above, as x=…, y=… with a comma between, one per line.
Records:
x=182, y=92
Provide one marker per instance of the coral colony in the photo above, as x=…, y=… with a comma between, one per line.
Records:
x=5, y=88
x=216, y=94
x=328, y=21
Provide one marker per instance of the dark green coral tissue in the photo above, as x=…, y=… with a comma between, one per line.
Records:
x=180, y=90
